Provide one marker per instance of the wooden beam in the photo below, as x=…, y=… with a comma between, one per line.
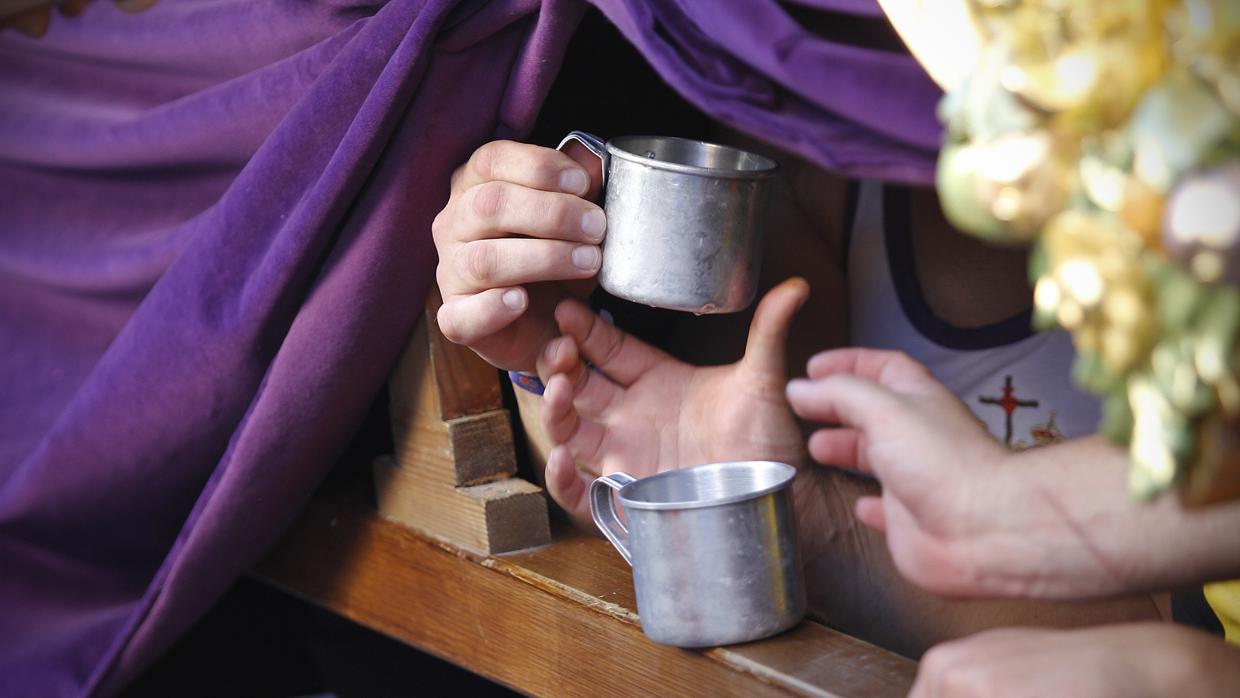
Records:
x=556, y=620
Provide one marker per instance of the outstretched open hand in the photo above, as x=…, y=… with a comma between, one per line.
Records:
x=641, y=411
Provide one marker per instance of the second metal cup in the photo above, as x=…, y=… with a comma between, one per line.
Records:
x=713, y=550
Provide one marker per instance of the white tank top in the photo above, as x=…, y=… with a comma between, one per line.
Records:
x=1017, y=382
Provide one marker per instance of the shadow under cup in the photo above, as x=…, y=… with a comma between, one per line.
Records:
x=713, y=550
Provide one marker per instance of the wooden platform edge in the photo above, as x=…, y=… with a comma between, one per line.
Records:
x=535, y=634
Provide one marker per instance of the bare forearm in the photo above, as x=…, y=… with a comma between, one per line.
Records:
x=854, y=586
x=1100, y=541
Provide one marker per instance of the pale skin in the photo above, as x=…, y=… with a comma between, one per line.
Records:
x=1129, y=660
x=977, y=520
x=652, y=412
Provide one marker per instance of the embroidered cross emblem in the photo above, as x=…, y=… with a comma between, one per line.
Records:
x=1009, y=402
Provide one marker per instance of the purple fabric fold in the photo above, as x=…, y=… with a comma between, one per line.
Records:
x=858, y=111
x=214, y=241
x=206, y=277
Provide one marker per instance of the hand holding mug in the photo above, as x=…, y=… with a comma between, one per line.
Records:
x=518, y=230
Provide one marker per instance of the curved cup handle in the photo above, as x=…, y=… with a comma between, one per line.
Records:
x=592, y=143
x=603, y=511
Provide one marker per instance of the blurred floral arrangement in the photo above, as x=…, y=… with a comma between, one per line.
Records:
x=1107, y=134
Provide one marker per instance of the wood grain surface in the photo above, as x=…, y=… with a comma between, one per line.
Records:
x=556, y=620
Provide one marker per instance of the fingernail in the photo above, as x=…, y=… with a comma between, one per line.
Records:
x=552, y=347
x=593, y=223
x=514, y=299
x=797, y=385
x=586, y=257
x=574, y=182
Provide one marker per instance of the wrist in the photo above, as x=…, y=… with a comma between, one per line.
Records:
x=529, y=382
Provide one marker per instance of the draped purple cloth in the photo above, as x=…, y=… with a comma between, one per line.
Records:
x=214, y=240
x=862, y=112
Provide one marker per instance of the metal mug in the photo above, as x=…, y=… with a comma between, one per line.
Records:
x=713, y=550
x=685, y=221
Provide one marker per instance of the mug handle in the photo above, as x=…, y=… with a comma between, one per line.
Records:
x=603, y=511
x=592, y=143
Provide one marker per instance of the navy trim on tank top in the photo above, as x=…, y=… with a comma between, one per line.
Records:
x=897, y=236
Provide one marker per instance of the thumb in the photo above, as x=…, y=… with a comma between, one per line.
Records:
x=765, y=351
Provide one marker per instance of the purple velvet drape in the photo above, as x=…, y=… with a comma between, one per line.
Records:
x=214, y=239
x=214, y=242
x=859, y=111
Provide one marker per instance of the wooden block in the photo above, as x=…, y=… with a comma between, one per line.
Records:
x=463, y=451
x=462, y=384
x=490, y=518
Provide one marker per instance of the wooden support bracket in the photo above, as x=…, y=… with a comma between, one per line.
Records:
x=452, y=473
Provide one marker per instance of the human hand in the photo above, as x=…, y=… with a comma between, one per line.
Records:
x=641, y=411
x=966, y=517
x=1135, y=659
x=518, y=235
x=943, y=506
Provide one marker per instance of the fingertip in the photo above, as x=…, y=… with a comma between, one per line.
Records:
x=797, y=389
x=448, y=327
x=818, y=364
x=514, y=299
x=574, y=180
x=800, y=287
x=559, y=356
x=869, y=511
x=818, y=444
x=568, y=314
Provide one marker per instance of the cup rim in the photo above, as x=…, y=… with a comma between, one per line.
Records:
x=786, y=477
x=767, y=169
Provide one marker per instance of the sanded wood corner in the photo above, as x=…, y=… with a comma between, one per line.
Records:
x=491, y=518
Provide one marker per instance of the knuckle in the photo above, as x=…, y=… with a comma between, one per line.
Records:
x=557, y=212
x=488, y=199
x=444, y=277
x=439, y=225
x=545, y=167
x=483, y=160
x=479, y=263
x=455, y=180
